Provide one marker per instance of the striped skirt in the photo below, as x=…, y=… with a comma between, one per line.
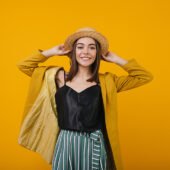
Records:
x=79, y=151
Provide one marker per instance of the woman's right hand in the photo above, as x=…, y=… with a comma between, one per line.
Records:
x=56, y=50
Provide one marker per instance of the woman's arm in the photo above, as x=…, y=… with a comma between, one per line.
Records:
x=28, y=64
x=137, y=75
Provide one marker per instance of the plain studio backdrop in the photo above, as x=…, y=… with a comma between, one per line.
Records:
x=135, y=29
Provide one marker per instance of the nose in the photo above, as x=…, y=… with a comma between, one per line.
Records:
x=85, y=50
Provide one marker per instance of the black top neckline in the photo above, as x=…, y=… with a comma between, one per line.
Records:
x=82, y=91
x=78, y=93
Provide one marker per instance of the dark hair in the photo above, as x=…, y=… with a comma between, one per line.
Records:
x=94, y=67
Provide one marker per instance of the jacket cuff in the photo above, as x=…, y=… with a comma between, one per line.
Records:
x=40, y=55
x=131, y=62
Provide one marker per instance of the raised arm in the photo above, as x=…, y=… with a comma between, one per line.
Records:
x=137, y=74
x=28, y=64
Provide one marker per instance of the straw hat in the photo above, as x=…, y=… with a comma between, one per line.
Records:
x=87, y=32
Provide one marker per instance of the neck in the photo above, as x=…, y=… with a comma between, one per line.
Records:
x=83, y=73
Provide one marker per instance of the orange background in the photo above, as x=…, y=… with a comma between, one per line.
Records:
x=135, y=29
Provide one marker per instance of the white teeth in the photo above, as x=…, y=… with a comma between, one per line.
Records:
x=85, y=58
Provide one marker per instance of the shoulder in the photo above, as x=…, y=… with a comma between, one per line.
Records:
x=60, y=80
x=107, y=75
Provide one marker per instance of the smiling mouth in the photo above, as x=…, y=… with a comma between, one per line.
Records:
x=85, y=58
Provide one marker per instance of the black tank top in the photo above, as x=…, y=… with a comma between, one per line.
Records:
x=81, y=111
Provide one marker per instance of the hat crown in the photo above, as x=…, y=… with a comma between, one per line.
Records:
x=86, y=29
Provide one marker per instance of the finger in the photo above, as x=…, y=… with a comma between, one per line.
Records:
x=102, y=57
x=66, y=51
x=108, y=52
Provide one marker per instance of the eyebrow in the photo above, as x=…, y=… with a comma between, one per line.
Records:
x=83, y=44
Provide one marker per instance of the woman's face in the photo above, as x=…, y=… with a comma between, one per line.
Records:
x=85, y=51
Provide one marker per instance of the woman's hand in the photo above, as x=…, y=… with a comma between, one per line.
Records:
x=113, y=58
x=56, y=50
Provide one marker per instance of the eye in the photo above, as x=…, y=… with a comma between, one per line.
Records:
x=93, y=48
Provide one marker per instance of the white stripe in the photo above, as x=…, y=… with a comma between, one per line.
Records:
x=70, y=161
x=96, y=154
x=105, y=164
x=100, y=159
x=84, y=154
x=96, y=145
x=58, y=143
x=96, y=150
x=78, y=151
x=101, y=164
x=74, y=153
x=59, y=162
x=95, y=163
x=59, y=157
x=88, y=155
x=95, y=159
x=94, y=134
x=92, y=149
x=70, y=151
x=64, y=150
x=93, y=138
x=67, y=148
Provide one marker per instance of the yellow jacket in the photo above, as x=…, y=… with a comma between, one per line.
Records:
x=39, y=127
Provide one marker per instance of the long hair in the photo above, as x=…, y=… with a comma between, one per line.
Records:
x=74, y=64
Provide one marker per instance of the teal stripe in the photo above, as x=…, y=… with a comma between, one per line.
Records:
x=79, y=151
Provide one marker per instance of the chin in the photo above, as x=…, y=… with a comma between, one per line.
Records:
x=85, y=64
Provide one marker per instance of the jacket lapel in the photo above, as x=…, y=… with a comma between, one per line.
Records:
x=103, y=88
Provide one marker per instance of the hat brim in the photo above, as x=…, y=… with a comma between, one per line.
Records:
x=68, y=44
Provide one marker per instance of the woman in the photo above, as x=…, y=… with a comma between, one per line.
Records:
x=87, y=137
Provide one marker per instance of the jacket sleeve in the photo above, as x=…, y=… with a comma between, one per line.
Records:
x=28, y=64
x=137, y=76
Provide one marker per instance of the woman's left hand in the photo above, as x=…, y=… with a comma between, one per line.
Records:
x=114, y=58
x=110, y=57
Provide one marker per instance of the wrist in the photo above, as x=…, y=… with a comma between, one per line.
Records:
x=121, y=61
x=46, y=53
